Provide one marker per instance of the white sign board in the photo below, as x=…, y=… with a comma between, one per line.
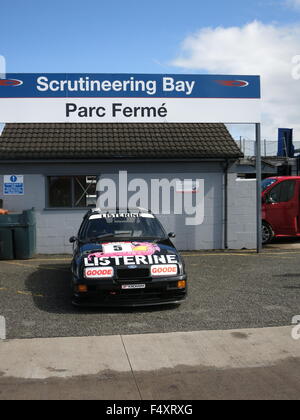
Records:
x=13, y=185
x=85, y=98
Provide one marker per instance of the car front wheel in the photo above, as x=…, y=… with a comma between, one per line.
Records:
x=267, y=233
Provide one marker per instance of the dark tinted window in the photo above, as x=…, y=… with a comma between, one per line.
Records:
x=72, y=191
x=60, y=192
x=282, y=192
x=124, y=227
x=267, y=182
x=287, y=191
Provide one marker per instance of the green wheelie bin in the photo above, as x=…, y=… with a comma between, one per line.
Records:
x=6, y=242
x=25, y=236
x=18, y=235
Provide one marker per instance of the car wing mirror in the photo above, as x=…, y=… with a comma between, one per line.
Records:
x=172, y=235
x=269, y=200
x=72, y=239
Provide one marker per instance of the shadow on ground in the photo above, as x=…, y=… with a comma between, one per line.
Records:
x=50, y=285
x=284, y=243
x=289, y=276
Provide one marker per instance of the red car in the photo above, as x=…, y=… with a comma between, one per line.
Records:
x=280, y=207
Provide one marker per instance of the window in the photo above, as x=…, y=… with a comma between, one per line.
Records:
x=72, y=191
x=123, y=227
x=282, y=192
x=266, y=183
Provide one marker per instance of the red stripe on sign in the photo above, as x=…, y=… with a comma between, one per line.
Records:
x=6, y=82
x=232, y=83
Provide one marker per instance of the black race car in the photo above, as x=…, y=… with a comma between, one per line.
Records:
x=125, y=258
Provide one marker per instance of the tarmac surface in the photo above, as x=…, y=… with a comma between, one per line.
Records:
x=245, y=364
x=216, y=345
x=226, y=291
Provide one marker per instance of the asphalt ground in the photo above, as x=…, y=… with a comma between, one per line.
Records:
x=226, y=291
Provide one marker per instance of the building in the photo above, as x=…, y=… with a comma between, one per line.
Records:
x=270, y=166
x=61, y=163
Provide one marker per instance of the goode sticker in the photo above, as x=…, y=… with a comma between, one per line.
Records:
x=164, y=270
x=92, y=273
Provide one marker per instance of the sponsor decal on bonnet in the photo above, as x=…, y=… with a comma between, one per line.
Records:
x=95, y=261
x=126, y=249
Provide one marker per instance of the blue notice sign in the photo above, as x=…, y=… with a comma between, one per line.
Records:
x=91, y=85
x=13, y=185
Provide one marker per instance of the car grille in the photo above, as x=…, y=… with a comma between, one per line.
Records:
x=133, y=274
x=146, y=296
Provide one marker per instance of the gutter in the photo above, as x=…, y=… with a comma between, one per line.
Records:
x=113, y=160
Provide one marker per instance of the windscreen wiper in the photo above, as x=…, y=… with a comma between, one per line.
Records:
x=156, y=240
x=97, y=238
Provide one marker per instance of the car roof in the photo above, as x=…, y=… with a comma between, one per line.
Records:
x=117, y=211
x=121, y=210
x=280, y=178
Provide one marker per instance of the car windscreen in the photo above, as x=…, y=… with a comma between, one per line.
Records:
x=266, y=183
x=123, y=227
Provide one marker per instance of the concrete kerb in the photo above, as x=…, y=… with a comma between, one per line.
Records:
x=71, y=357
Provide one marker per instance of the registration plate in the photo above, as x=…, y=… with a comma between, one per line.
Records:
x=133, y=286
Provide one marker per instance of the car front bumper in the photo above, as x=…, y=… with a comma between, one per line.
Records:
x=110, y=293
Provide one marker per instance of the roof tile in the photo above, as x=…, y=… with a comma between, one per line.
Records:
x=108, y=141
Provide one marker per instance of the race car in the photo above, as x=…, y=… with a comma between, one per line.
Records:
x=125, y=258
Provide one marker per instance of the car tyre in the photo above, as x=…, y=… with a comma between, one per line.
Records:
x=267, y=233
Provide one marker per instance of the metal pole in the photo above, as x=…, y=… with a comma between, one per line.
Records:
x=258, y=186
x=226, y=205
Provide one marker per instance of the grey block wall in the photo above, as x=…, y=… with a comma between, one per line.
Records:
x=241, y=213
x=54, y=227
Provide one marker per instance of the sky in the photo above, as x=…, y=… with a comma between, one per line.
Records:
x=163, y=36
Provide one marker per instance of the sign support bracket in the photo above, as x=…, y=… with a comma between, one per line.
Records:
x=258, y=187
